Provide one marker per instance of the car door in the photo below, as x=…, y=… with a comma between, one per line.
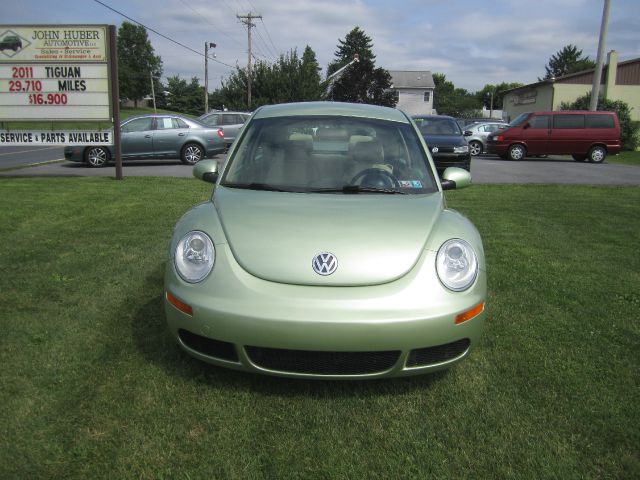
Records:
x=568, y=134
x=169, y=136
x=536, y=134
x=137, y=137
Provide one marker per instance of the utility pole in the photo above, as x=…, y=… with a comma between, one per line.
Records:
x=597, y=74
x=207, y=45
x=246, y=19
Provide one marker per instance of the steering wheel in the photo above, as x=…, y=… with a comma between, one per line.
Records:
x=376, y=178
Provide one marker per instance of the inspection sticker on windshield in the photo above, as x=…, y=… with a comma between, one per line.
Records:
x=410, y=183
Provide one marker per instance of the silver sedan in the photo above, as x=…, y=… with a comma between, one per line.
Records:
x=477, y=133
x=155, y=136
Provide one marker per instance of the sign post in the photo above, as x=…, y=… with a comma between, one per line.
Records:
x=60, y=73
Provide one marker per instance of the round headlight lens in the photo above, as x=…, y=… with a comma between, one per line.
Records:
x=457, y=265
x=194, y=256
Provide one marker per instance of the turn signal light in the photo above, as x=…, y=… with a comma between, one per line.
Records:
x=469, y=314
x=179, y=304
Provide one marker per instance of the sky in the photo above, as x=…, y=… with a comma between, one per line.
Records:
x=473, y=43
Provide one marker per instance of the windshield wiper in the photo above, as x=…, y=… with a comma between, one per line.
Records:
x=256, y=186
x=358, y=189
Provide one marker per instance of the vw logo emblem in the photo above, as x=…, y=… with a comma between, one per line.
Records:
x=434, y=150
x=324, y=263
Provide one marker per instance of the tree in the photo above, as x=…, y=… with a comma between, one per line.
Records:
x=137, y=62
x=628, y=128
x=290, y=79
x=566, y=61
x=184, y=97
x=449, y=100
x=310, y=87
x=362, y=82
x=484, y=95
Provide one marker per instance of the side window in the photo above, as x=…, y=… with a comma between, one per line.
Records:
x=600, y=121
x=211, y=120
x=164, y=123
x=228, y=119
x=179, y=123
x=568, y=121
x=138, y=125
x=539, y=121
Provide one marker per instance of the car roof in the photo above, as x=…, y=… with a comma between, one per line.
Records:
x=166, y=114
x=331, y=109
x=475, y=124
x=217, y=112
x=433, y=116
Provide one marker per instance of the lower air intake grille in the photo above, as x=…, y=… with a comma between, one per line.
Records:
x=209, y=346
x=421, y=357
x=322, y=363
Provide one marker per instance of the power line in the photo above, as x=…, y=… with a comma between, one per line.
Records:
x=201, y=18
x=269, y=53
x=275, y=49
x=160, y=34
x=266, y=45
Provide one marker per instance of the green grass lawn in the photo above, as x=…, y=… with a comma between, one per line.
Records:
x=625, y=158
x=93, y=387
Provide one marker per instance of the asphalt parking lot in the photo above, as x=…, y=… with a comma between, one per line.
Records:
x=487, y=169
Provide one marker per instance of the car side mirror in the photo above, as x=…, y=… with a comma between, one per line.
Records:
x=467, y=133
x=454, y=177
x=206, y=170
x=525, y=126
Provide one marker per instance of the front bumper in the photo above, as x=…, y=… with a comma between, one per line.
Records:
x=405, y=327
x=497, y=148
x=74, y=154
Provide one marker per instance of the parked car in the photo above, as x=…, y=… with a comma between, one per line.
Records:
x=583, y=134
x=11, y=42
x=229, y=123
x=327, y=251
x=445, y=140
x=477, y=133
x=466, y=122
x=154, y=136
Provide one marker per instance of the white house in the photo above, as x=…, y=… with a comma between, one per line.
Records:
x=415, y=91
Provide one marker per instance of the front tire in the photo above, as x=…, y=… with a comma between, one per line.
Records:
x=97, y=157
x=192, y=153
x=597, y=154
x=475, y=148
x=517, y=152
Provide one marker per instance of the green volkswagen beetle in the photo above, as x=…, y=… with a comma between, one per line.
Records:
x=327, y=251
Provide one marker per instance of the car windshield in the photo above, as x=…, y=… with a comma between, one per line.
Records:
x=330, y=155
x=438, y=126
x=520, y=119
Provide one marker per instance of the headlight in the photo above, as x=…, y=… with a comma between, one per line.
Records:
x=457, y=265
x=463, y=149
x=194, y=256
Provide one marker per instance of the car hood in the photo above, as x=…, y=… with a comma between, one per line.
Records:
x=444, y=140
x=375, y=238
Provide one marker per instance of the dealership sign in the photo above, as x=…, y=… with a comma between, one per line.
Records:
x=67, y=137
x=54, y=72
